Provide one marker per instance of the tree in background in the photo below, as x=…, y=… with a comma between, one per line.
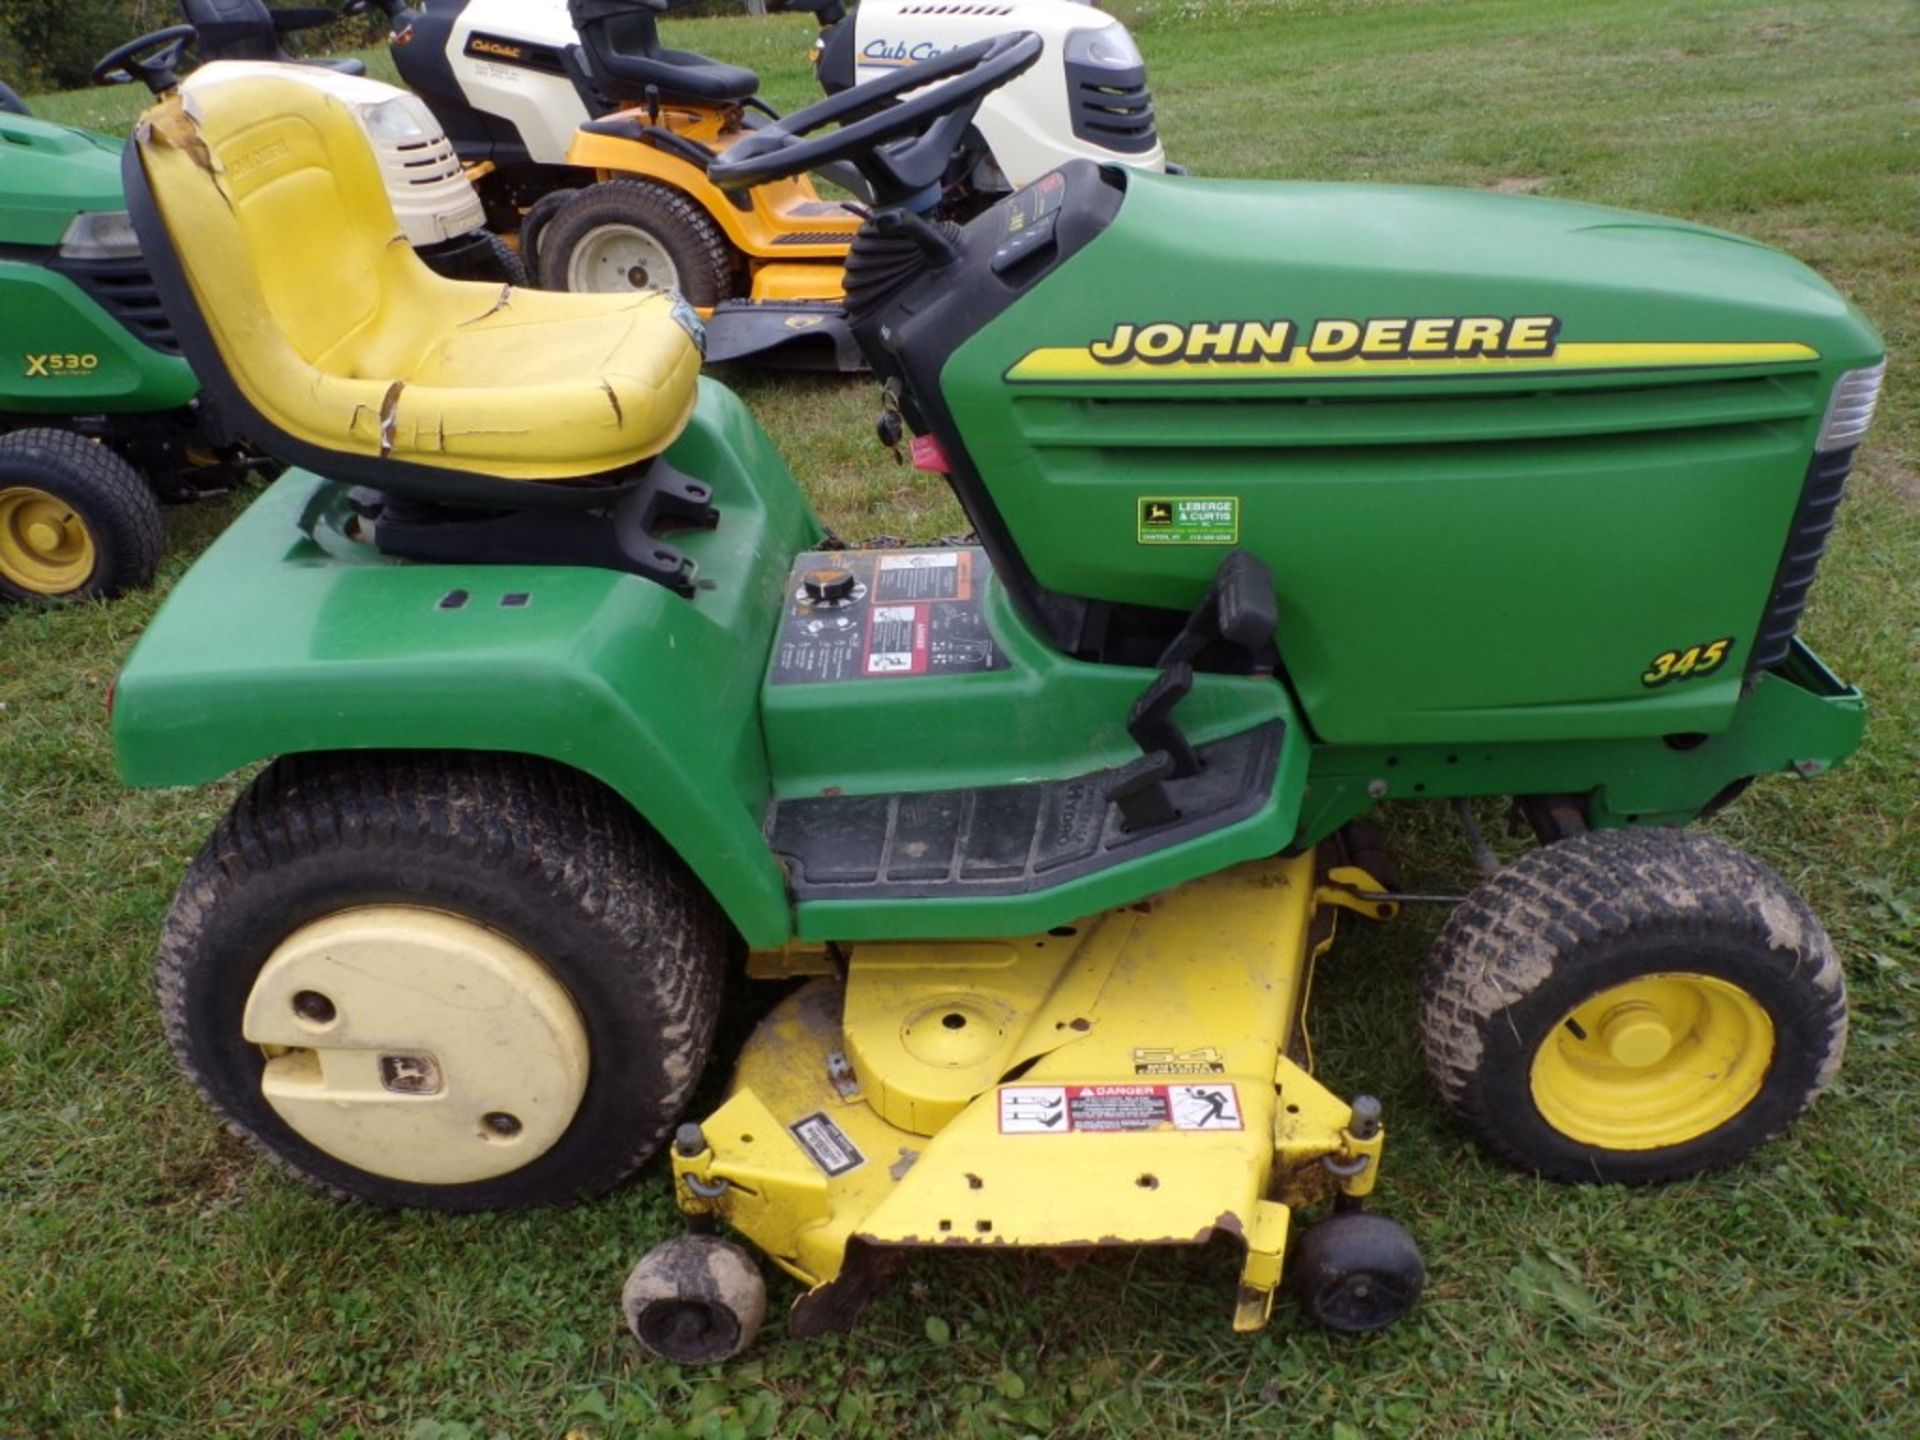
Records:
x=52, y=44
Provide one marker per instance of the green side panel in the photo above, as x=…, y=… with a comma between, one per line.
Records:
x=1045, y=717
x=62, y=354
x=277, y=642
x=1798, y=719
x=1492, y=558
x=48, y=174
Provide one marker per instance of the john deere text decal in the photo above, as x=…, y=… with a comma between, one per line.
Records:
x=1379, y=347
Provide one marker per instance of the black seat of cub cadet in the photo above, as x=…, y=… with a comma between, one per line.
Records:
x=624, y=56
x=249, y=30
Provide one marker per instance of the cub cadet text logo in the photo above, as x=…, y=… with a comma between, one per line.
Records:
x=481, y=45
x=898, y=52
x=1234, y=341
x=46, y=367
x=1366, y=348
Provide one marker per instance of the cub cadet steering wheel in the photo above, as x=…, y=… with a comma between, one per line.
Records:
x=905, y=173
x=153, y=60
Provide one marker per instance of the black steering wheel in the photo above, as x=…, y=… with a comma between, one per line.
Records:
x=154, y=60
x=927, y=128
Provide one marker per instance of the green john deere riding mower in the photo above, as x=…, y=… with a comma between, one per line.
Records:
x=98, y=410
x=574, y=716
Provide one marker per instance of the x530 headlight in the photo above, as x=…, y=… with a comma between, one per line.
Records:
x=101, y=235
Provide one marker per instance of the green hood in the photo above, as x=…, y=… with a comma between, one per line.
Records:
x=50, y=173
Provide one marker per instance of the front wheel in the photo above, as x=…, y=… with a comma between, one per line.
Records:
x=77, y=522
x=456, y=982
x=622, y=236
x=1632, y=1006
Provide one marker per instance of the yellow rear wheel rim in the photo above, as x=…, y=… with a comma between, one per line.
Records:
x=45, y=547
x=1658, y=1061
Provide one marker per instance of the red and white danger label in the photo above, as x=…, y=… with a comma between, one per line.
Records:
x=897, y=640
x=1111, y=1109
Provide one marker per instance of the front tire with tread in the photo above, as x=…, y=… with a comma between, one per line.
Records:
x=108, y=499
x=1600, y=914
x=549, y=859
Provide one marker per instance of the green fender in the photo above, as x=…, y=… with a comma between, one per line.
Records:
x=283, y=640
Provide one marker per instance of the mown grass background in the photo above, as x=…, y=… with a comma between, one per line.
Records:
x=157, y=1280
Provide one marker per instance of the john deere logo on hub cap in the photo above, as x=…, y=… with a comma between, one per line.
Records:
x=410, y=1074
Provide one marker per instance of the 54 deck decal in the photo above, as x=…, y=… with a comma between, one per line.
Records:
x=1364, y=348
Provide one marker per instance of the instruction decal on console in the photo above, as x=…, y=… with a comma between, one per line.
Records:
x=876, y=614
x=1117, y=1109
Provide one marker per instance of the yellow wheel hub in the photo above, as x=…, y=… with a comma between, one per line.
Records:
x=1655, y=1062
x=45, y=546
x=417, y=1045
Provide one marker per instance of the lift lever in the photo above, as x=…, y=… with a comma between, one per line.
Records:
x=1239, y=611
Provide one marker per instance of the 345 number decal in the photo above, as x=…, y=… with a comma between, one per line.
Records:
x=1691, y=663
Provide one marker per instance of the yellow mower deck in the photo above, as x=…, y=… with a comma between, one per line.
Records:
x=1125, y=1081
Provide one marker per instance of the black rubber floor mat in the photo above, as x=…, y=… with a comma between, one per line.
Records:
x=1009, y=839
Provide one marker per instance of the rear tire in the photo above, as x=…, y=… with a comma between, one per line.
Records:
x=77, y=522
x=612, y=957
x=483, y=257
x=1632, y=1006
x=534, y=224
x=627, y=236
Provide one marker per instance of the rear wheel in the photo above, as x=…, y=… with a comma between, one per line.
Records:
x=454, y=982
x=622, y=236
x=77, y=522
x=1632, y=1005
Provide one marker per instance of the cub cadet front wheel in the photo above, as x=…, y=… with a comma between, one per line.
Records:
x=77, y=522
x=1632, y=1006
x=622, y=236
x=457, y=982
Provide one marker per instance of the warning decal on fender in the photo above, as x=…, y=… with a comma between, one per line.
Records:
x=827, y=1144
x=1112, y=1109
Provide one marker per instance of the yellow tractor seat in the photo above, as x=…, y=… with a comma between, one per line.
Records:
x=300, y=303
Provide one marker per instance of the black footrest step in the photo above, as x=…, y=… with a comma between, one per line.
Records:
x=1007, y=839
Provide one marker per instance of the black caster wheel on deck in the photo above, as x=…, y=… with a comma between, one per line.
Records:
x=1354, y=1273
x=695, y=1300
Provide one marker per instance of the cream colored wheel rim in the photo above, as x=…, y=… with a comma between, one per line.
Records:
x=417, y=1045
x=616, y=259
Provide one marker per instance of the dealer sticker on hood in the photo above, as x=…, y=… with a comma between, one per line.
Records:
x=1189, y=520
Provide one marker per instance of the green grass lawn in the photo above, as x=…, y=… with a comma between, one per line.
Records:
x=158, y=1280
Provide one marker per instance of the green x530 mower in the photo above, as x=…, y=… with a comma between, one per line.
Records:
x=88, y=357
x=574, y=714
